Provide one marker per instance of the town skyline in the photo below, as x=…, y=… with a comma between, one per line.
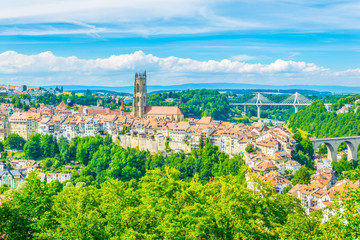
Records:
x=179, y=119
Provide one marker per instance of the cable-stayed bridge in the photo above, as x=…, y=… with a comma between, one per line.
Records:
x=295, y=100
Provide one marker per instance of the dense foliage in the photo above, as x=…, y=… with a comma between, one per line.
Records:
x=118, y=193
x=315, y=120
x=341, y=166
x=100, y=158
x=161, y=205
x=301, y=176
x=18, y=101
x=304, y=151
x=14, y=141
x=352, y=175
x=345, y=100
x=41, y=146
x=130, y=194
x=195, y=103
x=87, y=99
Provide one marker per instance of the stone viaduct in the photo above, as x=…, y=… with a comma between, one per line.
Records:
x=332, y=145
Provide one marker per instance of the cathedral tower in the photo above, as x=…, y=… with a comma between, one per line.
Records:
x=140, y=95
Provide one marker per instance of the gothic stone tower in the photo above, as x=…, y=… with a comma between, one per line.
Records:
x=140, y=95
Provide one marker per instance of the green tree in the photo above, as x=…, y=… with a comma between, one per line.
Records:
x=286, y=189
x=47, y=163
x=352, y=175
x=3, y=188
x=297, y=137
x=86, y=147
x=125, y=130
x=167, y=146
x=1, y=146
x=303, y=159
x=344, y=224
x=47, y=143
x=315, y=120
x=201, y=144
x=28, y=211
x=307, y=146
x=322, y=150
x=108, y=140
x=74, y=220
x=341, y=166
x=195, y=103
x=32, y=147
x=249, y=148
x=161, y=205
x=14, y=141
x=8, y=166
x=301, y=176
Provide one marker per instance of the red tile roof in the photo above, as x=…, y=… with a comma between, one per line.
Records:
x=163, y=111
x=205, y=120
x=264, y=165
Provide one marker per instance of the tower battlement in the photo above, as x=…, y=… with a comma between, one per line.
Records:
x=140, y=75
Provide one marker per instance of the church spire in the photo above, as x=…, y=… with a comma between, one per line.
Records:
x=122, y=106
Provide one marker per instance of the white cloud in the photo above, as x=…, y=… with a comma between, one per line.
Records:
x=12, y=62
x=350, y=72
x=46, y=68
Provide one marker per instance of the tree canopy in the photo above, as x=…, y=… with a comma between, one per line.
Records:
x=315, y=120
x=195, y=103
x=14, y=141
x=162, y=205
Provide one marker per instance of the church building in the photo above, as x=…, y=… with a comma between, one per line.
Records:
x=140, y=104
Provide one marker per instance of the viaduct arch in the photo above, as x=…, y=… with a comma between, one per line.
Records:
x=332, y=145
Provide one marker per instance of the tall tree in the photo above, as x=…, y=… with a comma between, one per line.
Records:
x=14, y=141
x=32, y=147
x=302, y=176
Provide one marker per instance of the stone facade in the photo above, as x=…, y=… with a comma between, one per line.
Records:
x=140, y=95
x=24, y=124
x=154, y=144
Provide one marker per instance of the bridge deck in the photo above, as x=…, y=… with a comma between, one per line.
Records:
x=334, y=138
x=270, y=104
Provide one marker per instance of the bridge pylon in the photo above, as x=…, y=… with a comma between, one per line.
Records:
x=297, y=100
x=258, y=104
x=259, y=101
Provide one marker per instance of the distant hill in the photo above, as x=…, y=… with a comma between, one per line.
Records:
x=101, y=91
x=220, y=86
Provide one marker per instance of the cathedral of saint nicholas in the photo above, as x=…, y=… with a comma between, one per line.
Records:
x=140, y=104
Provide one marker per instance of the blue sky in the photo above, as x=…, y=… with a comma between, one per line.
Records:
x=88, y=42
